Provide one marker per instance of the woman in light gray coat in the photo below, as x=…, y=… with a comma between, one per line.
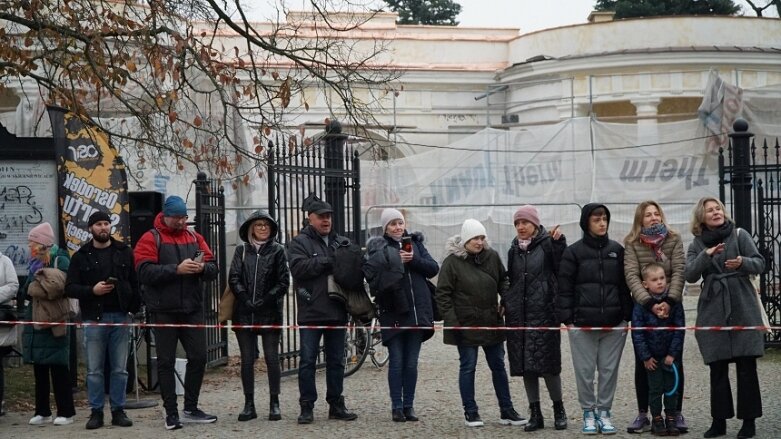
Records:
x=724, y=256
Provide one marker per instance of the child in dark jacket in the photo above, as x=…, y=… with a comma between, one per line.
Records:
x=660, y=351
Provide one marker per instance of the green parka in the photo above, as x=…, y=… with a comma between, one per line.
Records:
x=468, y=291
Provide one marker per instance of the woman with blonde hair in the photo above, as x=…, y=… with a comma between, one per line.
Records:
x=651, y=240
x=724, y=256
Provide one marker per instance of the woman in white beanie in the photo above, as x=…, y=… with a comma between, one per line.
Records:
x=48, y=354
x=533, y=263
x=406, y=303
x=470, y=283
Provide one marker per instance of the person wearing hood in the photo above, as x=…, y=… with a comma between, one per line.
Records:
x=471, y=280
x=407, y=303
x=173, y=263
x=724, y=256
x=259, y=277
x=593, y=293
x=532, y=265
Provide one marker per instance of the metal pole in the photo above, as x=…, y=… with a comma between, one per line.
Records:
x=741, y=174
x=335, y=186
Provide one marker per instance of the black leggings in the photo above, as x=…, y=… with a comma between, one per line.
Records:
x=248, y=345
x=641, y=385
x=4, y=350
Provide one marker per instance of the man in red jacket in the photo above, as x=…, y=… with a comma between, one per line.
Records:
x=172, y=263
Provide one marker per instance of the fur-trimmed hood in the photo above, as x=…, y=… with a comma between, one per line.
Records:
x=455, y=246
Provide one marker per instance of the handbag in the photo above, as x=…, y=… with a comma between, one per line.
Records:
x=434, y=307
x=755, y=282
x=228, y=299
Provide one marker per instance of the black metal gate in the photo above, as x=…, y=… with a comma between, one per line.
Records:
x=327, y=168
x=210, y=222
x=754, y=177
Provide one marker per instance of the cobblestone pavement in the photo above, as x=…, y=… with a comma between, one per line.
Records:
x=437, y=404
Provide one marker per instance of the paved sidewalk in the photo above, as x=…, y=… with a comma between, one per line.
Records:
x=438, y=404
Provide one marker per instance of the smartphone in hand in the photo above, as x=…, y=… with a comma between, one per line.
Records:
x=112, y=280
x=198, y=257
x=406, y=244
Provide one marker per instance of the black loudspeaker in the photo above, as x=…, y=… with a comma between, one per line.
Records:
x=144, y=207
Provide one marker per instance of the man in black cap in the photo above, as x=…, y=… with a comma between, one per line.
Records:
x=102, y=277
x=311, y=262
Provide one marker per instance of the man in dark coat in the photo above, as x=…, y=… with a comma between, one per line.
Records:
x=311, y=263
x=102, y=277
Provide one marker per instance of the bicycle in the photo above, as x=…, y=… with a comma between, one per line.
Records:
x=361, y=341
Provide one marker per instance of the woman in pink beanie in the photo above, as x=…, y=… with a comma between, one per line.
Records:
x=532, y=267
x=48, y=354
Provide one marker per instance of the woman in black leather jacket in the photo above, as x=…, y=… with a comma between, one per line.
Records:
x=259, y=277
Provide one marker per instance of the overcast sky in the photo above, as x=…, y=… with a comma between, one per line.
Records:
x=527, y=15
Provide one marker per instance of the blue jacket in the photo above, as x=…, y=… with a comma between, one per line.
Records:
x=658, y=344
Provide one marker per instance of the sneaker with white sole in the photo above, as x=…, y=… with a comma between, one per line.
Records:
x=605, y=424
x=40, y=420
x=197, y=416
x=62, y=420
x=472, y=419
x=589, y=423
x=511, y=417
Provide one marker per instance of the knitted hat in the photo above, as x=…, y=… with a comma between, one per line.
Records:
x=529, y=213
x=42, y=234
x=471, y=229
x=174, y=206
x=389, y=215
x=98, y=216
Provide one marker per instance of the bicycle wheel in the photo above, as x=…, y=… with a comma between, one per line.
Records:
x=355, y=347
x=380, y=354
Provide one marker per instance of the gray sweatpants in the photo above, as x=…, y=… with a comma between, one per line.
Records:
x=598, y=352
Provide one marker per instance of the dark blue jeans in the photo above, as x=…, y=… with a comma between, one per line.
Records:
x=494, y=355
x=403, y=351
x=334, y=363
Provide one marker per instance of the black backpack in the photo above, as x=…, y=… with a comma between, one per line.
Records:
x=348, y=260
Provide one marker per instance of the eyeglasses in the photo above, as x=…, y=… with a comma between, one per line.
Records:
x=262, y=225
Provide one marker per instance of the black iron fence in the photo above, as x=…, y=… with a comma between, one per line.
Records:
x=754, y=196
x=327, y=168
x=210, y=222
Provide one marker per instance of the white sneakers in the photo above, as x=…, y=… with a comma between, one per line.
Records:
x=40, y=420
x=59, y=420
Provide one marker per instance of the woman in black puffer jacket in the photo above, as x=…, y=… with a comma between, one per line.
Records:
x=259, y=277
x=404, y=302
x=532, y=265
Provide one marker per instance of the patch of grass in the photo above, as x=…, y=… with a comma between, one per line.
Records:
x=772, y=354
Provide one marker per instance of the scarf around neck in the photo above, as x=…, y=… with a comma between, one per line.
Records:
x=653, y=237
x=711, y=237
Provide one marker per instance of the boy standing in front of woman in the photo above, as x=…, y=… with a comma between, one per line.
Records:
x=660, y=351
x=593, y=293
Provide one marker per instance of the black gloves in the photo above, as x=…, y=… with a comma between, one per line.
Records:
x=253, y=306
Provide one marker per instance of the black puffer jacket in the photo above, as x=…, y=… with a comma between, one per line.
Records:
x=259, y=276
x=311, y=262
x=412, y=290
x=531, y=301
x=592, y=286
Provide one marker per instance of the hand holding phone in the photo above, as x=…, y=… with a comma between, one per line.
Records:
x=406, y=244
x=112, y=280
x=198, y=257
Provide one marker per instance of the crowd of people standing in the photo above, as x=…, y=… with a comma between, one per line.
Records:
x=595, y=282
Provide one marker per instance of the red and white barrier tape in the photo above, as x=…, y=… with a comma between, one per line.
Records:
x=436, y=327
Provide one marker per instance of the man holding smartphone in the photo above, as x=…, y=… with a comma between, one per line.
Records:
x=173, y=263
x=101, y=276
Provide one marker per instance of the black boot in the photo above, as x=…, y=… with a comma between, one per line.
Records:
x=306, y=416
x=398, y=415
x=249, y=408
x=535, y=418
x=409, y=414
x=340, y=412
x=559, y=415
x=748, y=429
x=717, y=428
x=274, y=413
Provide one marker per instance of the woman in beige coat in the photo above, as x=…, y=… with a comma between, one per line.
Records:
x=651, y=240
